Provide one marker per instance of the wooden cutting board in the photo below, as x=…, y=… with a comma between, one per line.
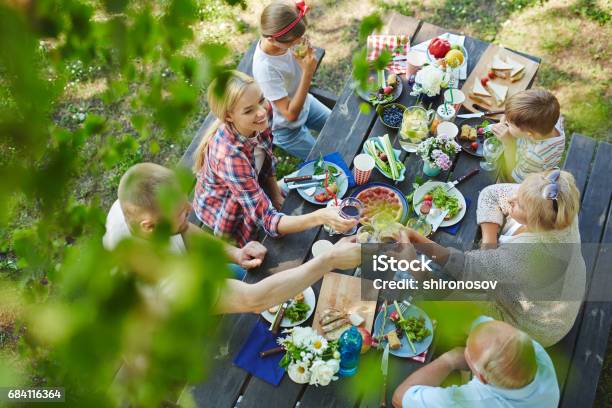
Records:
x=343, y=292
x=482, y=68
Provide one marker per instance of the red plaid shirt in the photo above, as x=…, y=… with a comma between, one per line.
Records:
x=228, y=196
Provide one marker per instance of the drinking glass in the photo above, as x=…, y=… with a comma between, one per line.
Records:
x=351, y=209
x=492, y=149
x=301, y=48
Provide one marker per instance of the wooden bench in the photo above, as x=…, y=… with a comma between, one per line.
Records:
x=579, y=356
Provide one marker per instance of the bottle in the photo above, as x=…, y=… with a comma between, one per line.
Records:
x=350, y=349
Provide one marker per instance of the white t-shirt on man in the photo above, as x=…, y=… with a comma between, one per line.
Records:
x=279, y=76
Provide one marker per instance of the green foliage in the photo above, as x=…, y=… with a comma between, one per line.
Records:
x=86, y=310
x=286, y=163
x=591, y=10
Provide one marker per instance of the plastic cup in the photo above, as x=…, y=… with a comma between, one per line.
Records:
x=320, y=247
x=458, y=98
x=363, y=164
x=414, y=62
x=447, y=128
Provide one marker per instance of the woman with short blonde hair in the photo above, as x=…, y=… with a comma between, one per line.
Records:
x=531, y=247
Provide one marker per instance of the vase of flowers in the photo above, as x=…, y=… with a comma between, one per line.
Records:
x=309, y=358
x=437, y=153
x=429, y=81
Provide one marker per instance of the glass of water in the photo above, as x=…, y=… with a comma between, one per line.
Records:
x=492, y=149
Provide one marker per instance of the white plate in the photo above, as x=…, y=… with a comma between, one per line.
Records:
x=426, y=188
x=309, y=298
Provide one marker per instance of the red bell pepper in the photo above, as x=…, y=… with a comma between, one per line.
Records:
x=438, y=47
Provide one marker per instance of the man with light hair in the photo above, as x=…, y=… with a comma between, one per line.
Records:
x=151, y=202
x=509, y=370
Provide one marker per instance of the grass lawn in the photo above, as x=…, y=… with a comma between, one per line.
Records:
x=571, y=36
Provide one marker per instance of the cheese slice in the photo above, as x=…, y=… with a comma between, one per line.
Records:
x=479, y=89
x=499, y=92
x=500, y=65
x=518, y=69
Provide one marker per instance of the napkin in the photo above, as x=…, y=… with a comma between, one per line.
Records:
x=420, y=358
x=376, y=43
x=454, y=228
x=454, y=40
x=337, y=159
x=266, y=368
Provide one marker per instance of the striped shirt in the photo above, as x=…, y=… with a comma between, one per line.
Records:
x=534, y=156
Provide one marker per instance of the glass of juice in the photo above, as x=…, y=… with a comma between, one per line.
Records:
x=301, y=48
x=351, y=209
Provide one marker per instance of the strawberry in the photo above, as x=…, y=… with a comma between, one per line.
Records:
x=321, y=197
x=491, y=74
x=388, y=90
x=484, y=81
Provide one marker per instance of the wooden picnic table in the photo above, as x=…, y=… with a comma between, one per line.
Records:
x=345, y=132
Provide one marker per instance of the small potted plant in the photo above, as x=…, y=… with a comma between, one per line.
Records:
x=437, y=153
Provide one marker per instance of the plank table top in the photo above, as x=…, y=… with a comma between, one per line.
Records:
x=345, y=132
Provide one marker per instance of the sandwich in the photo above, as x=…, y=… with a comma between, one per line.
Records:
x=393, y=339
x=518, y=69
x=468, y=133
x=479, y=92
x=498, y=91
x=500, y=67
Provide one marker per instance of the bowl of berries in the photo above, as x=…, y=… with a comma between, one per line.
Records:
x=391, y=114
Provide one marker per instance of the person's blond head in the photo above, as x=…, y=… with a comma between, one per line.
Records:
x=540, y=212
x=278, y=15
x=501, y=355
x=533, y=110
x=139, y=192
x=221, y=105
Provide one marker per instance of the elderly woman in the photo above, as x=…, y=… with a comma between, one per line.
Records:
x=536, y=257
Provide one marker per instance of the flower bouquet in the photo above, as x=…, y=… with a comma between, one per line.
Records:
x=309, y=357
x=429, y=81
x=437, y=152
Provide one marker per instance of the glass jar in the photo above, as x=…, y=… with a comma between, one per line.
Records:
x=415, y=127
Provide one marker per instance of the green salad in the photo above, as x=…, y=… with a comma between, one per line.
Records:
x=297, y=311
x=442, y=199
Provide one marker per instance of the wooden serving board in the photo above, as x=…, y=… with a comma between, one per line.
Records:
x=482, y=68
x=343, y=292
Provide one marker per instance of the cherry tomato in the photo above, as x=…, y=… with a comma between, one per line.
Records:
x=474, y=146
x=427, y=197
x=321, y=197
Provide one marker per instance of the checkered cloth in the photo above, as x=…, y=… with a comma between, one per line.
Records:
x=398, y=45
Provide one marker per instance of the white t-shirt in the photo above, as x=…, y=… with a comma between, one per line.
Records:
x=279, y=76
x=542, y=392
x=117, y=229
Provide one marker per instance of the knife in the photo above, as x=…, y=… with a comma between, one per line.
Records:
x=453, y=184
x=384, y=367
x=435, y=222
x=304, y=178
x=303, y=185
x=479, y=114
x=279, y=318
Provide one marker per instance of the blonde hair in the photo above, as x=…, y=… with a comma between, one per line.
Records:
x=534, y=110
x=541, y=215
x=139, y=190
x=278, y=15
x=507, y=355
x=220, y=106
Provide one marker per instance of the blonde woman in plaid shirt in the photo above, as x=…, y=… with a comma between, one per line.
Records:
x=236, y=191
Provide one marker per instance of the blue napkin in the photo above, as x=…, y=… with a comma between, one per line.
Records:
x=454, y=228
x=337, y=159
x=266, y=368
